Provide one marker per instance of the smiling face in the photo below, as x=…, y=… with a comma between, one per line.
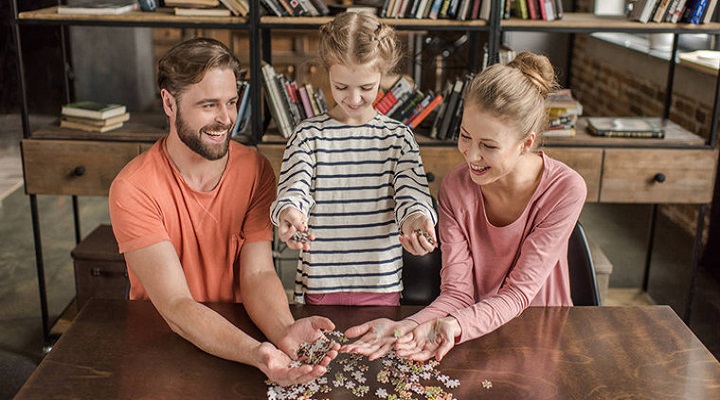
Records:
x=206, y=112
x=354, y=89
x=491, y=147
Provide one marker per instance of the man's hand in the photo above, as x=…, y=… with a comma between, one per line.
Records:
x=276, y=366
x=378, y=337
x=418, y=245
x=292, y=220
x=433, y=338
x=307, y=330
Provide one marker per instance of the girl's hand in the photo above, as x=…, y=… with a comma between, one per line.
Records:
x=431, y=339
x=378, y=337
x=418, y=234
x=276, y=366
x=291, y=221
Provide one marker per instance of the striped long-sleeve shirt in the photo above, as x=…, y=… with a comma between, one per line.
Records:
x=357, y=185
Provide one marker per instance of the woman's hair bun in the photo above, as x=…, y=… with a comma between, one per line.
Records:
x=538, y=69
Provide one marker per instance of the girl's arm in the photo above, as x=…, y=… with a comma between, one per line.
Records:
x=295, y=179
x=412, y=194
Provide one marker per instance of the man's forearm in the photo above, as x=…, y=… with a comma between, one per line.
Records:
x=211, y=332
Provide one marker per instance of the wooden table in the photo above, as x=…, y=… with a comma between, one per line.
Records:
x=124, y=350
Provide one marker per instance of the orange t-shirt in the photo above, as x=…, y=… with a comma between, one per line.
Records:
x=150, y=203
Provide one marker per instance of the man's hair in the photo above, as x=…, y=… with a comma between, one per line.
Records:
x=187, y=62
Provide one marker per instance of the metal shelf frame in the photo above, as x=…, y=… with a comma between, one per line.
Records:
x=260, y=31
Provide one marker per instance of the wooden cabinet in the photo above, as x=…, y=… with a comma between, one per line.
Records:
x=73, y=167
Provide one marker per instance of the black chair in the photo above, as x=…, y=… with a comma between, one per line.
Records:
x=421, y=275
x=421, y=278
x=583, y=286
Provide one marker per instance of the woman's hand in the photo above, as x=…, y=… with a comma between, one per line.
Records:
x=378, y=337
x=291, y=221
x=433, y=338
x=276, y=365
x=413, y=243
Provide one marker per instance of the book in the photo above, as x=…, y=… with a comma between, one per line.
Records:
x=275, y=102
x=99, y=7
x=92, y=109
x=452, y=103
x=192, y=3
x=98, y=122
x=639, y=127
x=418, y=119
x=559, y=132
x=88, y=128
x=400, y=87
x=203, y=12
x=243, y=114
x=643, y=10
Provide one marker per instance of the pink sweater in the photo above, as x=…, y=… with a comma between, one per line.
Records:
x=491, y=274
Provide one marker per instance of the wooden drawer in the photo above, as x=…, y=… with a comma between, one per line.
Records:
x=636, y=176
x=73, y=167
x=586, y=161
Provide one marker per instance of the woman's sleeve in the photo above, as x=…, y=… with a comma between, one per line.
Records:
x=412, y=193
x=457, y=285
x=295, y=179
x=539, y=253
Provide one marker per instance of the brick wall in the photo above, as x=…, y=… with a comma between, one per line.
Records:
x=612, y=80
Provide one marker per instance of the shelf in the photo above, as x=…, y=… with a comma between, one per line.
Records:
x=675, y=137
x=161, y=17
x=142, y=127
x=588, y=22
x=399, y=23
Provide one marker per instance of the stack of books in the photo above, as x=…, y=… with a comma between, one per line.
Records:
x=404, y=103
x=563, y=111
x=209, y=8
x=98, y=7
x=290, y=103
x=627, y=127
x=91, y=116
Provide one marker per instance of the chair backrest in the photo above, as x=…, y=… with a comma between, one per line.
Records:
x=421, y=278
x=583, y=286
x=421, y=274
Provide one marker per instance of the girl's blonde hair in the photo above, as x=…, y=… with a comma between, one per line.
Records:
x=359, y=38
x=516, y=92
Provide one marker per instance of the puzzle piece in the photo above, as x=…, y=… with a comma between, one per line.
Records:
x=300, y=237
x=397, y=378
x=420, y=232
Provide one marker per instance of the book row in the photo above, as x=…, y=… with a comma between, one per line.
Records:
x=683, y=11
x=290, y=102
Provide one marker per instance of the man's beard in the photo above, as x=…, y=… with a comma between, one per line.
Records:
x=191, y=138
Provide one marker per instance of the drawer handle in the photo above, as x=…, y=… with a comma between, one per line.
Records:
x=99, y=272
x=659, y=177
x=430, y=177
x=79, y=171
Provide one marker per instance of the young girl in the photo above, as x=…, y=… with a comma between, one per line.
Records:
x=352, y=182
x=506, y=215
